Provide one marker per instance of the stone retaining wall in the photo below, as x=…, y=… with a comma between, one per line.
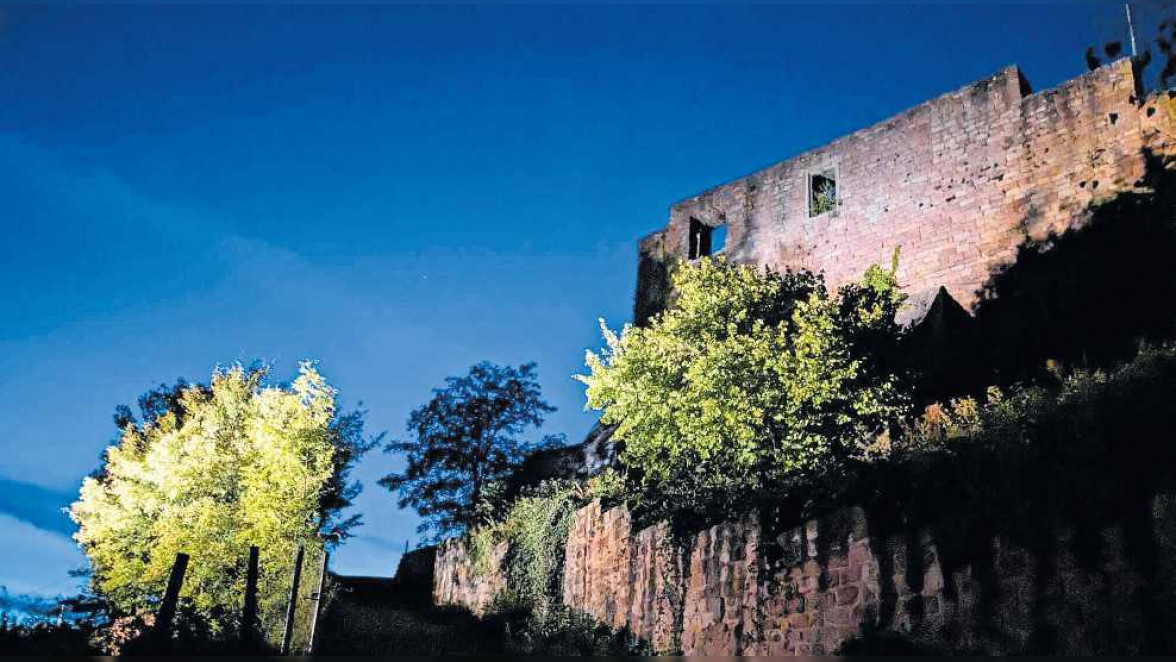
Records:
x=813, y=589
x=459, y=580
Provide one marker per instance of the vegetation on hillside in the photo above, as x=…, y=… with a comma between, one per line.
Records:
x=535, y=528
x=1087, y=446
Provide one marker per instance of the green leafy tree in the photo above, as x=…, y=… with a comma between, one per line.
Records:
x=153, y=404
x=749, y=381
x=464, y=441
x=210, y=471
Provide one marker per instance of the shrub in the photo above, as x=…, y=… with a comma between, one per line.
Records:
x=481, y=542
x=565, y=631
x=608, y=486
x=1090, y=449
x=536, y=528
x=750, y=382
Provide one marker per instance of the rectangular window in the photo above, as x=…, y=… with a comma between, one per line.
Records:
x=718, y=239
x=700, y=239
x=705, y=239
x=822, y=192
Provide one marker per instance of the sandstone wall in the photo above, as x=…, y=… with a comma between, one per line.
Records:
x=625, y=579
x=458, y=580
x=958, y=182
x=813, y=589
x=597, y=564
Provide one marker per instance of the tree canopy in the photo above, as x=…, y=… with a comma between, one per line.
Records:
x=464, y=440
x=749, y=380
x=210, y=471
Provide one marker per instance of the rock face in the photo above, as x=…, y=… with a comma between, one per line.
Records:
x=656, y=594
x=832, y=582
x=824, y=588
x=959, y=182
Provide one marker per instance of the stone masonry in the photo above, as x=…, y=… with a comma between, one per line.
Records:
x=597, y=564
x=625, y=579
x=958, y=182
x=458, y=580
x=811, y=589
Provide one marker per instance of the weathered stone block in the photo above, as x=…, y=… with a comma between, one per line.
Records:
x=728, y=607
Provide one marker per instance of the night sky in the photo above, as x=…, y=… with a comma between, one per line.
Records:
x=397, y=192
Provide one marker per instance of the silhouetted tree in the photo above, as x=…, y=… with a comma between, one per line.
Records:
x=1092, y=61
x=1163, y=41
x=463, y=440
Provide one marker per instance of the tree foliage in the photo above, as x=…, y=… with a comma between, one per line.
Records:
x=465, y=440
x=748, y=381
x=155, y=403
x=210, y=472
x=1163, y=40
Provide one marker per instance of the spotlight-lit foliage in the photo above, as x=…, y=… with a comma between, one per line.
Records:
x=226, y=466
x=749, y=381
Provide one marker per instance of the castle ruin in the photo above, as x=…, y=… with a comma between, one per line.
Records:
x=958, y=183
x=961, y=183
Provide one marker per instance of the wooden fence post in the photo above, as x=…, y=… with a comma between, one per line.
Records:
x=290, y=609
x=167, y=609
x=318, y=603
x=249, y=610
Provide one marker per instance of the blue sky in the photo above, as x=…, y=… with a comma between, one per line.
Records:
x=398, y=192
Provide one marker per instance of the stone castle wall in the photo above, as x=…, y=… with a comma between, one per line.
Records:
x=459, y=579
x=625, y=578
x=958, y=182
x=738, y=590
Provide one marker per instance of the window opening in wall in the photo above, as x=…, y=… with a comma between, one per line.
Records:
x=706, y=239
x=718, y=239
x=700, y=239
x=822, y=192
